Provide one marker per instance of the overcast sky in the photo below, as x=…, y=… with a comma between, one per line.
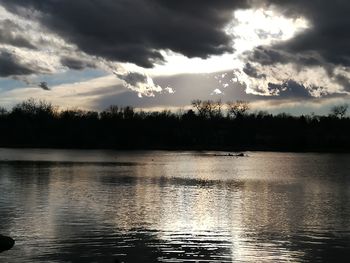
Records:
x=290, y=55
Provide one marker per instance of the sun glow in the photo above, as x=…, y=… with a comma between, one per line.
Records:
x=252, y=28
x=248, y=29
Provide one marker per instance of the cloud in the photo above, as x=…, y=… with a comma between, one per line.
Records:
x=30, y=49
x=50, y=36
x=140, y=83
x=290, y=90
x=328, y=35
x=59, y=35
x=252, y=72
x=99, y=93
x=169, y=90
x=11, y=65
x=315, y=80
x=321, y=50
x=44, y=85
x=186, y=86
x=69, y=95
x=135, y=30
x=77, y=63
x=11, y=34
x=216, y=92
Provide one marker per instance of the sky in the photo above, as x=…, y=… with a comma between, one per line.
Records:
x=280, y=55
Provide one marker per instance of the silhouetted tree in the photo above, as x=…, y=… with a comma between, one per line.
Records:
x=128, y=112
x=238, y=108
x=207, y=108
x=72, y=114
x=189, y=115
x=35, y=109
x=112, y=112
x=339, y=111
x=3, y=112
x=34, y=123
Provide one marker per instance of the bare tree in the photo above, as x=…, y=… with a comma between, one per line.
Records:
x=197, y=104
x=339, y=111
x=238, y=108
x=3, y=111
x=128, y=112
x=33, y=107
x=217, y=111
x=207, y=108
x=112, y=112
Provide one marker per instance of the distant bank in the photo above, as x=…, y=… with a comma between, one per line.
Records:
x=33, y=124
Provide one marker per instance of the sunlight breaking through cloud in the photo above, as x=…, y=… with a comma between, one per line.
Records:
x=255, y=27
x=268, y=72
x=264, y=48
x=267, y=69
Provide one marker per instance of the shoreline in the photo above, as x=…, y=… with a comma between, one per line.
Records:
x=186, y=149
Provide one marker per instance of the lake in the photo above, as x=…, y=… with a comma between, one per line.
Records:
x=158, y=206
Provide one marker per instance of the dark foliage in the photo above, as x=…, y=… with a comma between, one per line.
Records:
x=39, y=124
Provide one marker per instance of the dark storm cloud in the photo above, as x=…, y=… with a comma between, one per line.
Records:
x=135, y=30
x=328, y=36
x=267, y=56
x=342, y=80
x=43, y=85
x=252, y=72
x=271, y=55
x=289, y=89
x=10, y=65
x=76, y=63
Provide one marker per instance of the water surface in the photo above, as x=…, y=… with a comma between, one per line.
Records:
x=100, y=206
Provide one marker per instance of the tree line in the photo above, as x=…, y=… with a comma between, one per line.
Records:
x=209, y=125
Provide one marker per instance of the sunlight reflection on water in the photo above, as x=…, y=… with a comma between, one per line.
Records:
x=99, y=206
